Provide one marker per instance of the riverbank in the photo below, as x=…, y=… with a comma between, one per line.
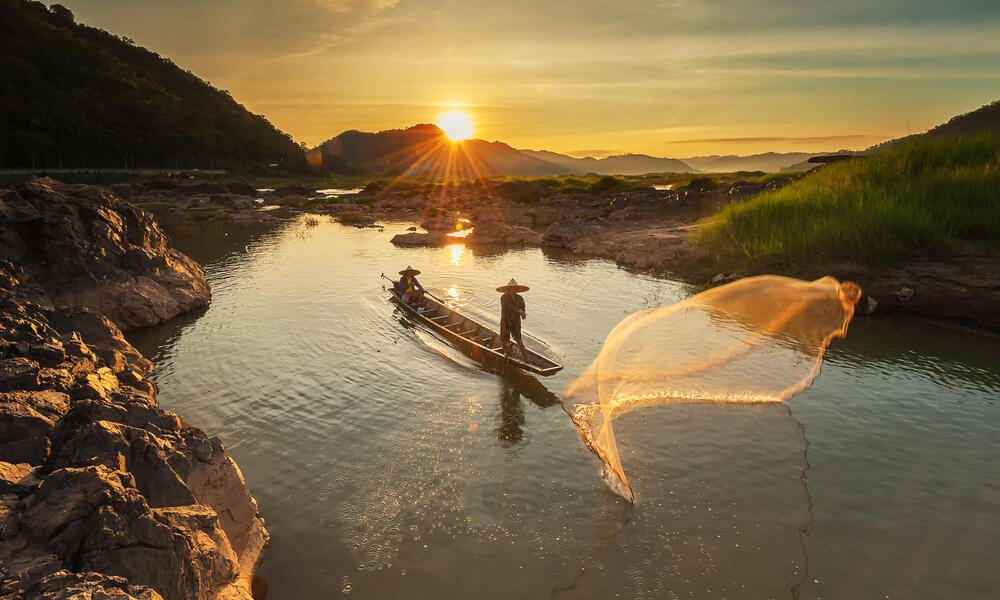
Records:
x=103, y=493
x=657, y=228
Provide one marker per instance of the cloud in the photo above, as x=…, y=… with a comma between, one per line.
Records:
x=349, y=31
x=817, y=139
x=348, y=6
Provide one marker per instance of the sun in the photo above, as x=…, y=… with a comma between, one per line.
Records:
x=456, y=125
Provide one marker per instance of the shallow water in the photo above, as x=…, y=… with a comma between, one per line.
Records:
x=386, y=464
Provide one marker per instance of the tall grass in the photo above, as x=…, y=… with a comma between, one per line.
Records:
x=919, y=199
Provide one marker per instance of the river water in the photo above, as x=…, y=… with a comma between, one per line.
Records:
x=386, y=464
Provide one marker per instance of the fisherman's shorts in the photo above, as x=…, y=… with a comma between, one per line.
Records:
x=508, y=331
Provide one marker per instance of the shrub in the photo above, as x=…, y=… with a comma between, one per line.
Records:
x=605, y=184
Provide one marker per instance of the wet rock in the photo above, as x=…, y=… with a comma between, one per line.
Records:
x=89, y=248
x=867, y=305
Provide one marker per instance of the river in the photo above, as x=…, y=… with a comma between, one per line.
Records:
x=386, y=464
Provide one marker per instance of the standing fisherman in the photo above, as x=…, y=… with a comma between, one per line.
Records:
x=511, y=313
x=410, y=290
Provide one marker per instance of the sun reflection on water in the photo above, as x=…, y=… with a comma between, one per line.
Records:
x=457, y=251
x=454, y=298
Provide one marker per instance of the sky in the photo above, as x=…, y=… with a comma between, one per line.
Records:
x=674, y=78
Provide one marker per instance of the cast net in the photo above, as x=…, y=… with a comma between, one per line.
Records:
x=759, y=339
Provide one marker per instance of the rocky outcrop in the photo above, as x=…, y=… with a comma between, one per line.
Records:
x=87, y=247
x=964, y=289
x=649, y=247
x=102, y=493
x=494, y=232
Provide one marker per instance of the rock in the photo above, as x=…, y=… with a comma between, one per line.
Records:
x=102, y=493
x=18, y=373
x=350, y=217
x=964, y=289
x=499, y=233
x=18, y=479
x=441, y=223
x=89, y=248
x=64, y=585
x=505, y=214
x=562, y=234
x=94, y=519
x=422, y=239
x=33, y=450
x=868, y=305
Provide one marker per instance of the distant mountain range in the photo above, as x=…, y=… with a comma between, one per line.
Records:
x=426, y=150
x=622, y=164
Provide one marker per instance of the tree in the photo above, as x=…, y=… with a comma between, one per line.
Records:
x=62, y=13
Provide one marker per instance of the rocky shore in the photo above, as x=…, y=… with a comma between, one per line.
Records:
x=102, y=493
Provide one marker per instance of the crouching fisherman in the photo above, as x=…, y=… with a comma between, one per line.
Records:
x=410, y=290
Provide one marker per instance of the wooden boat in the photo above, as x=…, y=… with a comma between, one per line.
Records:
x=472, y=337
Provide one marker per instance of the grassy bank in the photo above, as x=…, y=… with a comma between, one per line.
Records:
x=923, y=198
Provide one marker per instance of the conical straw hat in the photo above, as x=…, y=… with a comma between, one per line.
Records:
x=409, y=269
x=513, y=286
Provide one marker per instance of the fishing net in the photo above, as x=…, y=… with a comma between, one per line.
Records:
x=759, y=339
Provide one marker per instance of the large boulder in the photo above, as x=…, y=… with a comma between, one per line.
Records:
x=86, y=247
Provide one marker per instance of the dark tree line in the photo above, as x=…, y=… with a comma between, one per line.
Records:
x=77, y=96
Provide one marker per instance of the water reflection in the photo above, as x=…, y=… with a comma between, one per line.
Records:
x=457, y=250
x=514, y=386
x=511, y=430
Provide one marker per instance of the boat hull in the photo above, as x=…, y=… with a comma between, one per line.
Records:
x=451, y=325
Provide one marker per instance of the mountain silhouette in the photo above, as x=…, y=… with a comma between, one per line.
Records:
x=426, y=150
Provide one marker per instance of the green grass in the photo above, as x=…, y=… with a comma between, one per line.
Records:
x=923, y=198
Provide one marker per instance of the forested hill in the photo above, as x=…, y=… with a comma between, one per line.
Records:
x=77, y=96
x=985, y=119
